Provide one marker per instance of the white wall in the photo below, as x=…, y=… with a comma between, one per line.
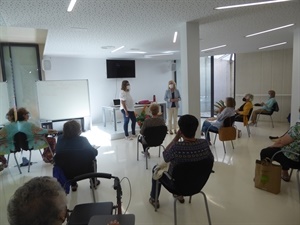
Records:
x=151, y=79
x=258, y=72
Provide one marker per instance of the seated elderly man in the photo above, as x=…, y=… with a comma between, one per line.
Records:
x=40, y=201
x=191, y=149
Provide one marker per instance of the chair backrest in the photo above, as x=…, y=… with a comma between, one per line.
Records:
x=249, y=114
x=74, y=162
x=155, y=136
x=20, y=141
x=228, y=122
x=189, y=178
x=275, y=107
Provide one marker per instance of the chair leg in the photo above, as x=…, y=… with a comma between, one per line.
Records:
x=137, y=149
x=232, y=144
x=156, y=195
x=298, y=180
x=215, y=138
x=175, y=212
x=146, y=156
x=224, y=147
x=29, y=161
x=206, y=206
x=190, y=199
x=257, y=119
x=272, y=121
x=17, y=163
x=8, y=158
x=248, y=130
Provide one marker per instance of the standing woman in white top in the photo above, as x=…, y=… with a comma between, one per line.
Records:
x=172, y=97
x=127, y=109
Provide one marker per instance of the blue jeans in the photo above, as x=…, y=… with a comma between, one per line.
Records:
x=206, y=127
x=132, y=117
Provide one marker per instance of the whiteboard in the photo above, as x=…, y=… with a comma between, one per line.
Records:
x=63, y=99
x=4, y=102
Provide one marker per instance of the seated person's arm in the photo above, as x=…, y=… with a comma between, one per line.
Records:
x=283, y=141
x=175, y=139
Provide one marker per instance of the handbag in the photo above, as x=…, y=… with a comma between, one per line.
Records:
x=267, y=176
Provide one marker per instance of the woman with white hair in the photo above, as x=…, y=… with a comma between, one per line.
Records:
x=172, y=97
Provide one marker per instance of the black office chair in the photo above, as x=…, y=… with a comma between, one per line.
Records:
x=154, y=137
x=275, y=108
x=240, y=118
x=21, y=144
x=82, y=213
x=297, y=168
x=227, y=132
x=187, y=179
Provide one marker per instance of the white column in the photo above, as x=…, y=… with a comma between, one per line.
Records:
x=190, y=69
x=295, y=100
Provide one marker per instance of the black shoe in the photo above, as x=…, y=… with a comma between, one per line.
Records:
x=273, y=137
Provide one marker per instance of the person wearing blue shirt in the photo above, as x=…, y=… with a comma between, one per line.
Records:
x=266, y=107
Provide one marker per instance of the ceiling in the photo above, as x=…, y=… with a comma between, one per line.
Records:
x=144, y=25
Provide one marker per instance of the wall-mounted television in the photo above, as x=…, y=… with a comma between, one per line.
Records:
x=120, y=68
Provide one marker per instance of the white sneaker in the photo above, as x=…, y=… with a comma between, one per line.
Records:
x=134, y=136
x=128, y=138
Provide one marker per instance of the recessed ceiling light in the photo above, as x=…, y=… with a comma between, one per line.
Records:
x=160, y=54
x=135, y=52
x=266, y=31
x=117, y=49
x=270, y=46
x=71, y=5
x=251, y=4
x=108, y=47
x=221, y=46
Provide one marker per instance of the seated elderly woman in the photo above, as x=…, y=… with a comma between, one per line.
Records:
x=74, y=154
x=39, y=201
x=35, y=134
x=154, y=121
x=290, y=142
x=7, y=137
x=244, y=110
x=215, y=123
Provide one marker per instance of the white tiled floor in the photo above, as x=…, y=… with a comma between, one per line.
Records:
x=233, y=200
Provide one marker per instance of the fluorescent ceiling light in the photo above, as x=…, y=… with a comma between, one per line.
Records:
x=266, y=31
x=135, y=52
x=251, y=4
x=168, y=52
x=160, y=54
x=270, y=46
x=175, y=37
x=71, y=5
x=221, y=46
x=117, y=49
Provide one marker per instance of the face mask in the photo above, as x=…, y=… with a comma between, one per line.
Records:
x=128, y=87
x=244, y=99
x=171, y=85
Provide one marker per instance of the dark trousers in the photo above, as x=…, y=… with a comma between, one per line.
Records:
x=131, y=116
x=165, y=180
x=285, y=162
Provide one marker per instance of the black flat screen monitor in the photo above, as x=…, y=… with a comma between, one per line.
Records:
x=120, y=68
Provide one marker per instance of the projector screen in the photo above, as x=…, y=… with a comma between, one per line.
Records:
x=63, y=99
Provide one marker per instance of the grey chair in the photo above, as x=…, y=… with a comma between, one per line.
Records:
x=275, y=108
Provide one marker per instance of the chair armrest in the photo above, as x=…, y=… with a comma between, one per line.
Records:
x=168, y=175
x=297, y=154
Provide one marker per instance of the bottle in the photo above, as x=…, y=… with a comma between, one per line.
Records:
x=154, y=98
